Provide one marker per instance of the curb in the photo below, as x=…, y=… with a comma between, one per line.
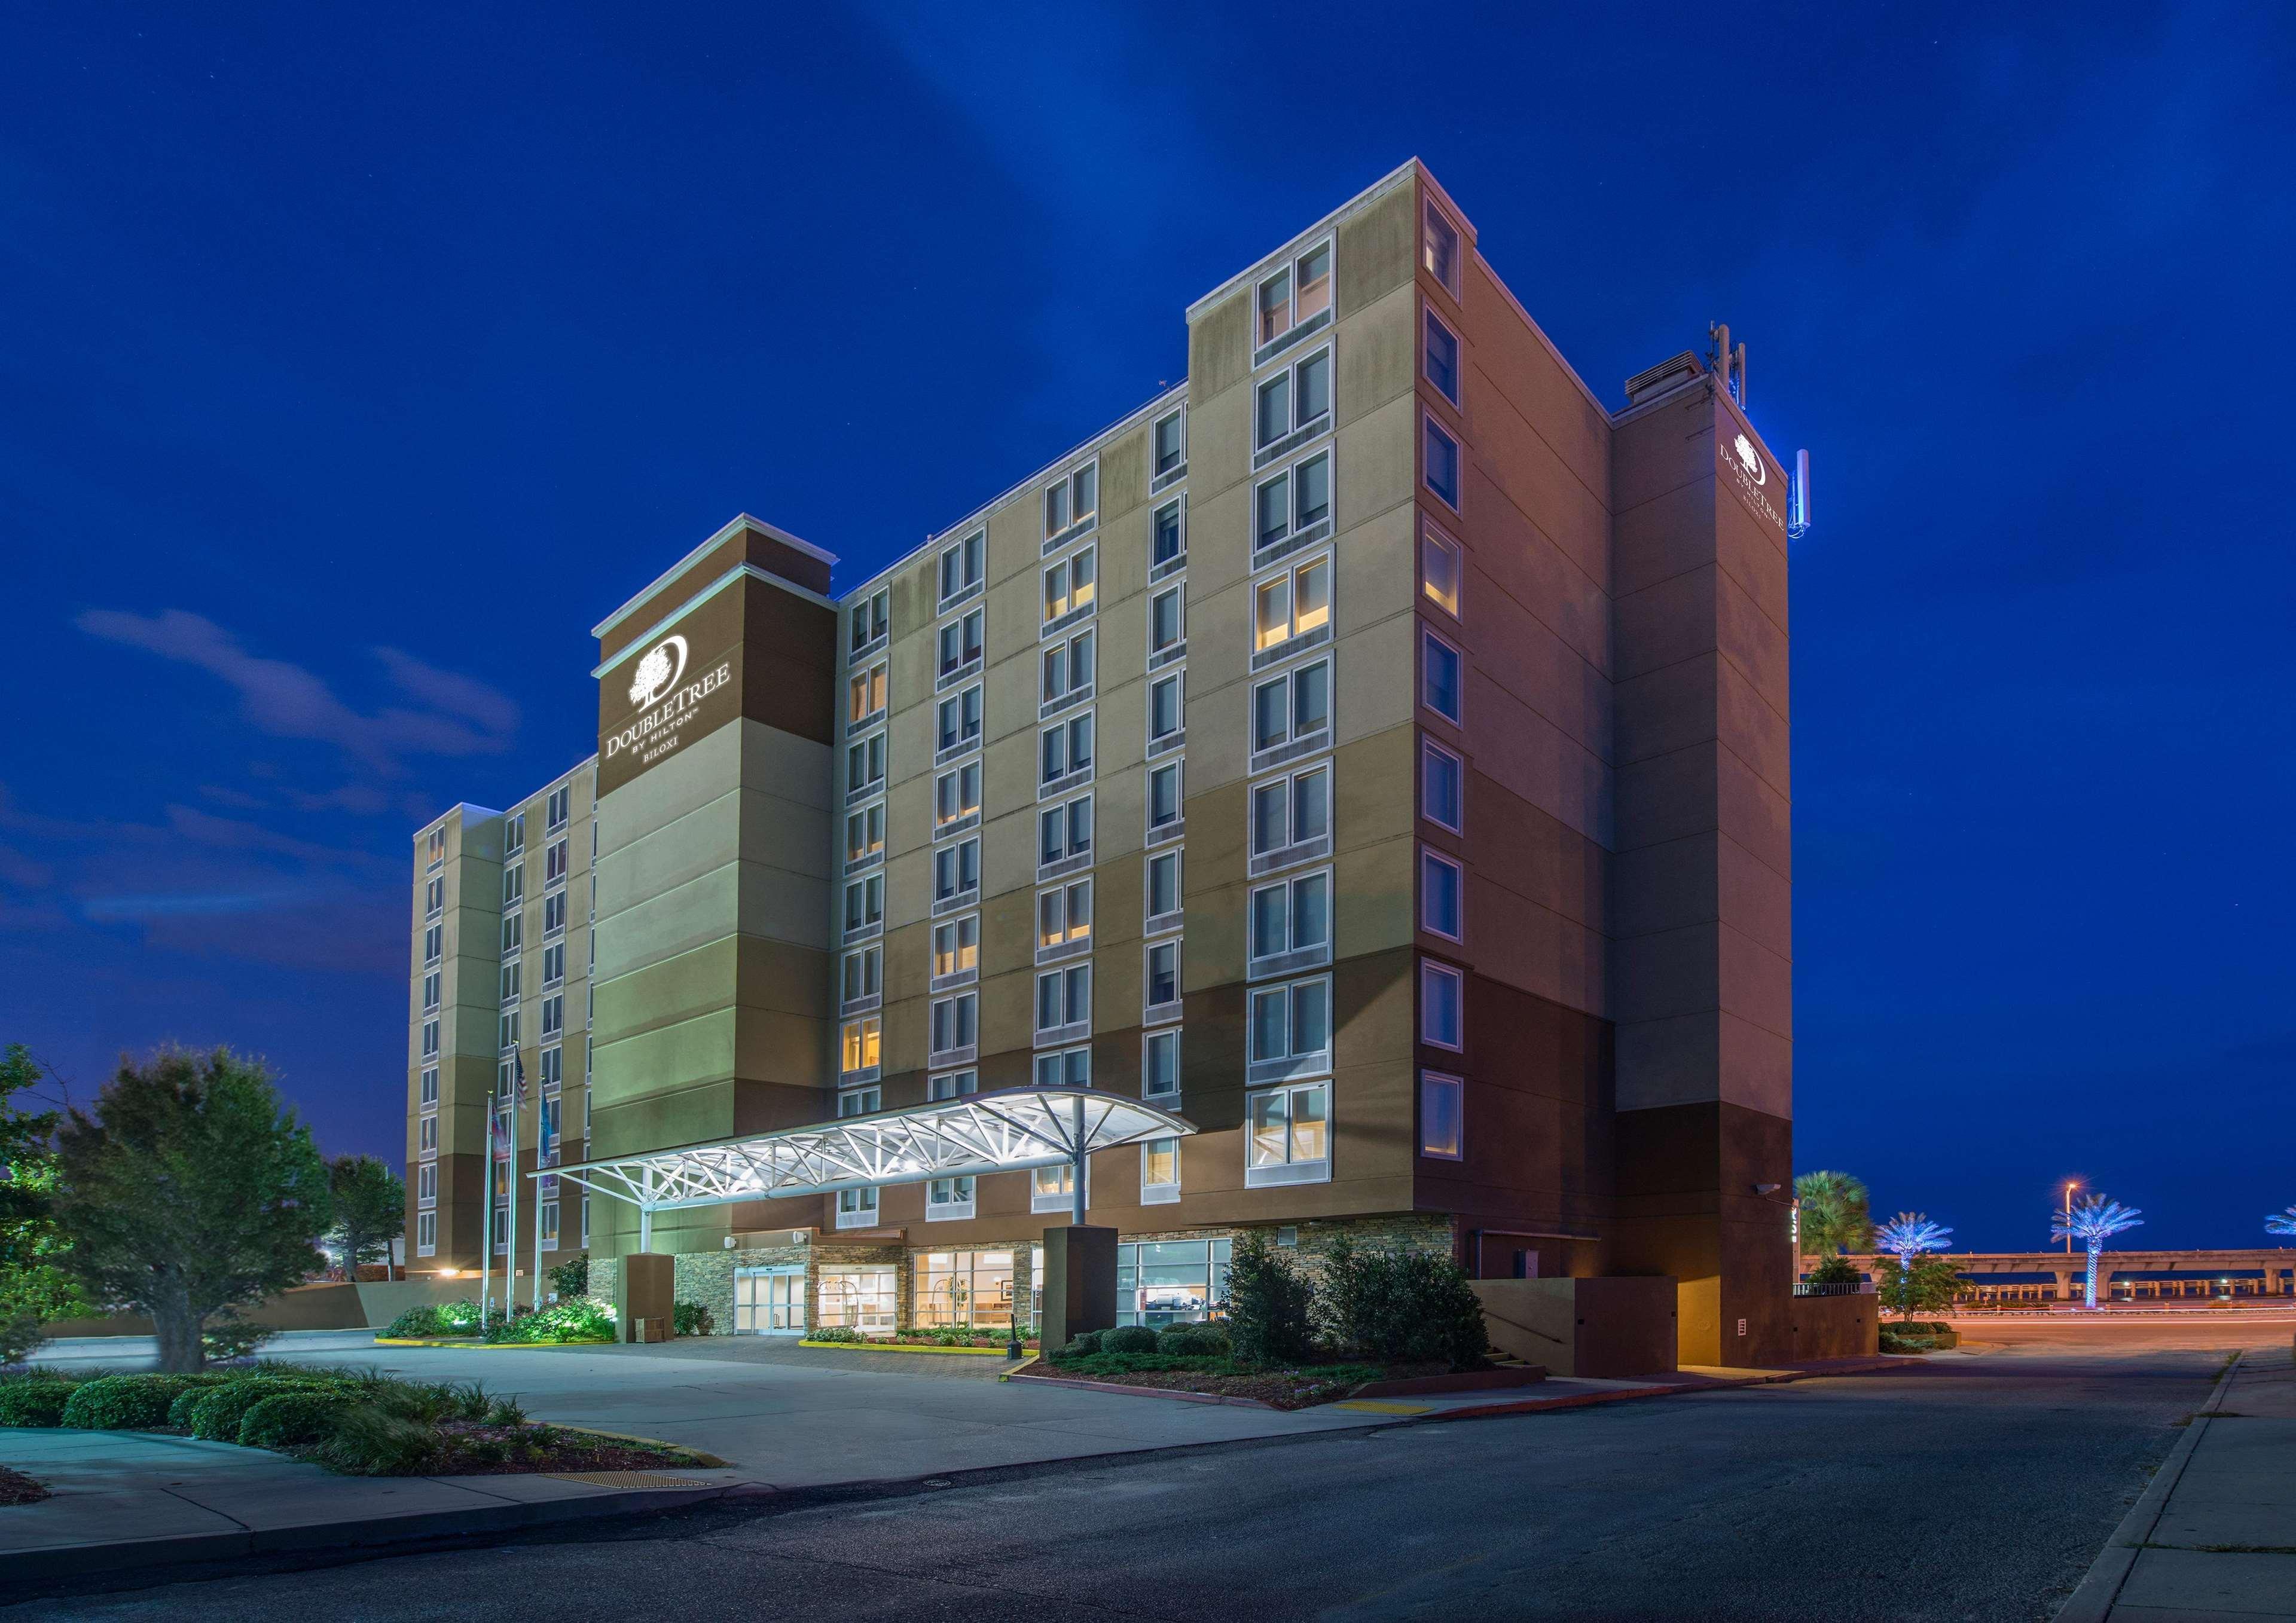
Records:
x=698, y=1459
x=2100, y=1587
x=890, y=1347
x=472, y=1344
x=1145, y=1391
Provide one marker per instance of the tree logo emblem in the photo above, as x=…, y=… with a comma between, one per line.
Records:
x=1750, y=459
x=658, y=671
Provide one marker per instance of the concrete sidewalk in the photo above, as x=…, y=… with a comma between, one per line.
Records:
x=2214, y=1536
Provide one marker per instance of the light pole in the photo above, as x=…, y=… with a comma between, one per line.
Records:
x=2071, y=1184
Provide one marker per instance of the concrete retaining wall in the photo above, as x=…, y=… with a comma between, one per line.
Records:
x=324, y=1307
x=1604, y=1329
x=1835, y=1326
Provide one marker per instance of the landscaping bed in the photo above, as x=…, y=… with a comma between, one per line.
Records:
x=1915, y=1336
x=17, y=1488
x=1295, y=1386
x=917, y=1341
x=579, y=1320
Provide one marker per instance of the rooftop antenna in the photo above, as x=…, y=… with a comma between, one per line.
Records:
x=1798, y=498
x=1731, y=364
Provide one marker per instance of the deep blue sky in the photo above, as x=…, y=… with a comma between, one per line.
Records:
x=357, y=361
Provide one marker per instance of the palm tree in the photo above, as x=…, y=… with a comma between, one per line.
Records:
x=1834, y=1218
x=2094, y=1220
x=1910, y=1233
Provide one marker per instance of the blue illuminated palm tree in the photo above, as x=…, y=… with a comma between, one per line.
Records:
x=2282, y=1224
x=1910, y=1233
x=2093, y=1221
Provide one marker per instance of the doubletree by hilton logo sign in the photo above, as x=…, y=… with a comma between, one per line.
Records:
x=666, y=701
x=1750, y=470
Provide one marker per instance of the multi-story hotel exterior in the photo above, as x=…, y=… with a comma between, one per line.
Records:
x=1373, y=751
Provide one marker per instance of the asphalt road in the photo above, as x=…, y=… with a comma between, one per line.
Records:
x=1973, y=1487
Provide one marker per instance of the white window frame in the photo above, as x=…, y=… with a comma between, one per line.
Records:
x=871, y=623
x=1288, y=1170
x=871, y=842
x=1432, y=974
x=1432, y=1083
x=1056, y=1068
x=1061, y=900
x=1163, y=568
x=1077, y=600
x=858, y=1208
x=1072, y=857
x=1293, y=637
x=865, y=764
x=861, y=1047
x=958, y=1017
x=1436, y=218
x=1429, y=752
x=1294, y=956
x=949, y=785
x=954, y=856
x=1178, y=418
x=1294, y=1063
x=1061, y=654
x=1297, y=532
x=952, y=1085
x=1171, y=918
x=864, y=1100
x=1152, y=1012
x=1299, y=430
x=1176, y=594
x=972, y=633
x=1159, y=1191
x=1426, y=355
x=1431, y=859
x=1172, y=679
x=1295, y=745
x=1081, y=724
x=1434, y=540
x=1073, y=1021
x=1294, y=848
x=968, y=735
x=950, y=1199
x=426, y=1234
x=1429, y=638
x=1150, y=1041
x=427, y=1093
x=861, y=977
x=426, y=1183
x=871, y=888
x=1262, y=333
x=867, y=694
x=1071, y=487
x=1432, y=426
x=958, y=972
x=1061, y=1196
x=970, y=556
x=1173, y=768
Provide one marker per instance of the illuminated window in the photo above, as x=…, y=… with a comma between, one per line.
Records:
x=1439, y=569
x=1287, y=1136
x=956, y=795
x=1065, y=913
x=860, y=1048
x=1293, y=605
x=1070, y=585
x=864, y=832
x=956, y=945
x=1297, y=294
x=1439, y=248
x=1160, y=1171
x=865, y=694
x=1441, y=1106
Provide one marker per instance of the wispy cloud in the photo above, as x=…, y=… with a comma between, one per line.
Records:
x=460, y=716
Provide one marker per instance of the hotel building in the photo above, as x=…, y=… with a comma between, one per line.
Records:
x=1372, y=752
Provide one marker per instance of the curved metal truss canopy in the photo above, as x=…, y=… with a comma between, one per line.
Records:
x=1011, y=1130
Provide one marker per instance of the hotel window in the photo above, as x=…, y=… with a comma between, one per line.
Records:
x=431, y=993
x=554, y=1016
x=1066, y=749
x=956, y=1022
x=957, y=869
x=960, y=719
x=1442, y=471
x=872, y=618
x=957, y=946
x=1442, y=992
x=555, y=864
x=1294, y=500
x=1162, y=885
x=426, y=1180
x=1167, y=620
x=1442, y=787
x=865, y=695
x=1072, y=500
x=865, y=832
x=947, y=1199
x=955, y=1085
x=1170, y=1281
x=864, y=903
x=960, y=642
x=1168, y=540
x=1069, y=585
x=860, y=1048
x=426, y=1234
x=514, y=885
x=434, y=898
x=1068, y=666
x=434, y=943
x=510, y=982
x=857, y=1208
x=1293, y=708
x=437, y=855
x=585, y=1219
x=514, y=834
x=1169, y=440
x=429, y=1039
x=1288, y=1135
x=1298, y=293
x=1294, y=400
x=553, y=963
x=1289, y=1028
x=428, y=1133
x=514, y=932
x=1053, y=1188
x=1292, y=917
x=1064, y=914
x=1160, y=1171
x=1164, y=797
x=864, y=974
x=1439, y=569
x=865, y=764
x=1291, y=811
x=1441, y=899
x=554, y=913
x=1071, y=1068
x=1440, y=356
x=1162, y=990
x=1064, y=831
x=1166, y=709
x=964, y=565
x=553, y=1068
x=1293, y=605
x=549, y=1222
x=561, y=807
x=859, y=1101
x=430, y=1084
x=1441, y=1110
x=1159, y=1064
x=956, y=795
x=1063, y=997
x=1439, y=248
x=1440, y=681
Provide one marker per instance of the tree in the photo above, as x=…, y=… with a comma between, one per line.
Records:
x=190, y=1190
x=1835, y=1214
x=1916, y=1284
x=1910, y=1233
x=2093, y=1221
x=1269, y=1303
x=1401, y=1307
x=33, y=1288
x=370, y=1206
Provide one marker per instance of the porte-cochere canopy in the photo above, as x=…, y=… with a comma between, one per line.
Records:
x=1011, y=1130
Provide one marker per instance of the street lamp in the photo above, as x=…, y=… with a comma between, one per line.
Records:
x=2071, y=1184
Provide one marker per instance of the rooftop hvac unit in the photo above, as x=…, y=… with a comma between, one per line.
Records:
x=1662, y=377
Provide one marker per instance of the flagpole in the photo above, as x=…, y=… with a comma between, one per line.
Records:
x=486, y=1214
x=509, y=1264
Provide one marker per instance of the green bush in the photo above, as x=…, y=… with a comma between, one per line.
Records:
x=129, y=1403
x=367, y=1440
x=1128, y=1338
x=1402, y=1308
x=289, y=1420
x=21, y=1336
x=1192, y=1342
x=443, y=1319
x=34, y=1400
x=835, y=1333
x=1083, y=1345
x=571, y=1278
x=579, y=1320
x=690, y=1319
x=1269, y=1304
x=217, y=1415
x=228, y=1336
x=1834, y=1271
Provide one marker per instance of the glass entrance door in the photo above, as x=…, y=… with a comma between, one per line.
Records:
x=770, y=1301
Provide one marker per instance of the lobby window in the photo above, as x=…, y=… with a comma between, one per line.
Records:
x=1293, y=605
x=861, y=1046
x=1288, y=1135
x=1069, y=1068
x=1440, y=568
x=864, y=903
x=1068, y=666
x=956, y=795
x=957, y=946
x=1065, y=749
x=865, y=832
x=863, y=974
x=1167, y=541
x=1164, y=797
x=1442, y=469
x=1442, y=1103
x=1167, y=620
x=1161, y=994
x=865, y=764
x=1159, y=1064
x=1439, y=248
x=1162, y=886
x=1064, y=831
x=1440, y=356
x=964, y=565
x=1170, y=1281
x=1063, y=997
x=960, y=719
x=857, y=1208
x=1441, y=896
x=1296, y=400
x=956, y=1022
x=1160, y=1171
x=434, y=943
x=954, y=1085
x=961, y=643
x=1170, y=444
x=1292, y=708
x=1441, y=679
x=1070, y=501
x=430, y=1084
x=1293, y=501
x=1442, y=787
x=1053, y=1188
x=1166, y=709
x=860, y=1102
x=865, y=694
x=1297, y=294
x=1291, y=811
x=1070, y=584
x=1289, y=1028
x=860, y=1296
x=947, y=1199
x=1292, y=917
x=872, y=618
x=1442, y=998
x=561, y=807
x=1064, y=914
x=957, y=870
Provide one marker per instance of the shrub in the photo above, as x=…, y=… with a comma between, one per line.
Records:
x=228, y=1337
x=1128, y=1338
x=366, y=1440
x=129, y=1403
x=20, y=1336
x=1834, y=1271
x=1268, y=1305
x=579, y=1320
x=571, y=1278
x=34, y=1400
x=217, y=1415
x=291, y=1419
x=836, y=1332
x=1192, y=1342
x=690, y=1319
x=505, y=1412
x=440, y=1319
x=1083, y=1345
x=1402, y=1308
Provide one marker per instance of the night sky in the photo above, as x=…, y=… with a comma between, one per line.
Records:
x=358, y=362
